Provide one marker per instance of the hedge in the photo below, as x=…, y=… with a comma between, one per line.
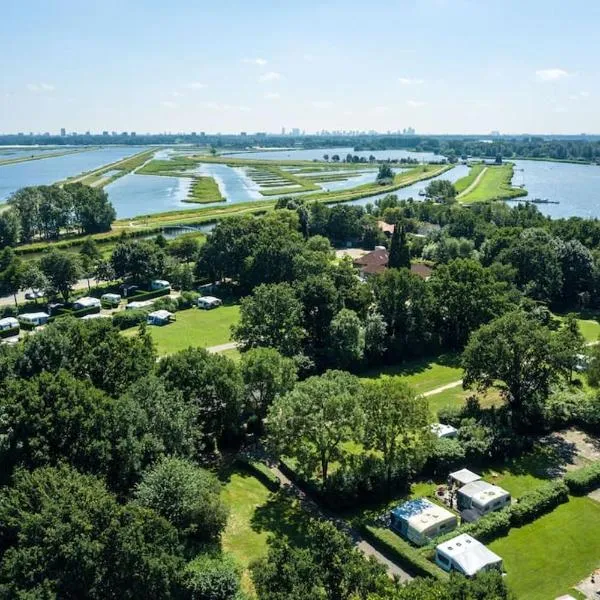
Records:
x=261, y=472
x=5, y=333
x=82, y=312
x=129, y=318
x=401, y=552
x=583, y=480
x=141, y=296
x=540, y=501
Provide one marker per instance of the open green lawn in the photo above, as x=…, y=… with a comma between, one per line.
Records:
x=423, y=375
x=495, y=184
x=464, y=182
x=255, y=513
x=195, y=327
x=203, y=190
x=547, y=557
x=590, y=329
x=457, y=396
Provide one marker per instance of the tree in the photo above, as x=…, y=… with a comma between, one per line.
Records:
x=441, y=190
x=267, y=375
x=213, y=578
x=10, y=228
x=34, y=279
x=63, y=270
x=326, y=157
x=385, y=174
x=209, y=381
x=347, y=339
x=518, y=352
x=570, y=346
x=375, y=336
x=141, y=261
x=104, y=271
x=271, y=317
x=11, y=273
x=186, y=496
x=312, y=421
x=89, y=248
x=93, y=212
x=396, y=425
x=577, y=264
x=399, y=253
x=65, y=536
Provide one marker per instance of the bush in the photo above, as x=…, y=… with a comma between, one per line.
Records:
x=564, y=408
x=538, y=502
x=401, y=551
x=450, y=415
x=261, y=472
x=141, y=296
x=188, y=300
x=583, y=480
x=129, y=318
x=212, y=578
x=166, y=303
x=5, y=333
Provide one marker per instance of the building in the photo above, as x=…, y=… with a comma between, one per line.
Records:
x=86, y=302
x=420, y=520
x=375, y=262
x=34, y=319
x=466, y=555
x=443, y=431
x=386, y=228
x=63, y=132
x=208, y=302
x=160, y=317
x=480, y=498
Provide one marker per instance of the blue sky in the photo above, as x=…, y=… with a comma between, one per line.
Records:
x=441, y=66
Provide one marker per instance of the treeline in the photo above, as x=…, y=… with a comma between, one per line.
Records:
x=47, y=212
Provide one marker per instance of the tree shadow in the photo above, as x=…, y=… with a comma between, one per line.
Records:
x=413, y=367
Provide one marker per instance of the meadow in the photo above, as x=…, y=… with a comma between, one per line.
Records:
x=495, y=184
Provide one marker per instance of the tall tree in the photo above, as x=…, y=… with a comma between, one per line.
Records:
x=347, y=339
x=399, y=251
x=311, y=422
x=63, y=270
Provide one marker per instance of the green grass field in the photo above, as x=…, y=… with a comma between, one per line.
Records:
x=549, y=556
x=195, y=327
x=423, y=375
x=255, y=513
x=457, y=396
x=464, y=182
x=204, y=190
x=494, y=185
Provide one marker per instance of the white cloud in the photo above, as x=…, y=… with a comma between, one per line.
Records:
x=410, y=81
x=550, y=74
x=40, y=87
x=322, y=104
x=168, y=104
x=261, y=62
x=272, y=96
x=270, y=76
x=414, y=103
x=196, y=85
x=380, y=110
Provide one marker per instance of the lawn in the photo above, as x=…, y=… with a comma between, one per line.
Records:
x=456, y=397
x=549, y=556
x=590, y=329
x=494, y=185
x=464, y=182
x=256, y=513
x=423, y=375
x=195, y=327
x=203, y=190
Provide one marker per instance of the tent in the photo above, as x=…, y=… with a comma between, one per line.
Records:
x=482, y=497
x=466, y=555
x=463, y=477
x=35, y=319
x=86, y=302
x=160, y=317
x=8, y=323
x=421, y=520
x=208, y=302
x=443, y=431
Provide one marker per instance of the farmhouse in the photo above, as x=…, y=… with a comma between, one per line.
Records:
x=466, y=555
x=208, y=302
x=421, y=520
x=375, y=262
x=481, y=498
x=8, y=323
x=86, y=302
x=160, y=317
x=35, y=319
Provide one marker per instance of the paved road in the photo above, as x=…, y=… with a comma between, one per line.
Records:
x=312, y=507
x=82, y=284
x=443, y=388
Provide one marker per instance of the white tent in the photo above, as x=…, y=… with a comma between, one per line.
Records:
x=482, y=497
x=420, y=520
x=36, y=318
x=86, y=302
x=443, y=431
x=159, y=317
x=466, y=555
x=208, y=302
x=8, y=323
x=139, y=304
x=463, y=477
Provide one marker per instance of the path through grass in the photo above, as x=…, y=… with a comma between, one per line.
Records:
x=495, y=184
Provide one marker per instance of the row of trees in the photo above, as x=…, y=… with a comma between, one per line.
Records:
x=46, y=212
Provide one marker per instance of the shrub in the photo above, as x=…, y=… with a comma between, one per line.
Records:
x=129, y=318
x=188, y=300
x=583, y=480
x=563, y=408
x=538, y=502
x=166, y=303
x=450, y=415
x=141, y=296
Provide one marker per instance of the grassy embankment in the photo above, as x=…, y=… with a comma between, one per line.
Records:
x=99, y=178
x=488, y=183
x=203, y=189
x=46, y=154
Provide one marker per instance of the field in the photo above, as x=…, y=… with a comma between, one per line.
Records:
x=495, y=184
x=204, y=190
x=456, y=397
x=549, y=556
x=255, y=514
x=195, y=327
x=462, y=184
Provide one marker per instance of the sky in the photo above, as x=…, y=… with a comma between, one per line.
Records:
x=440, y=66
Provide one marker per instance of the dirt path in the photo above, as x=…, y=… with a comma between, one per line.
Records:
x=473, y=185
x=314, y=509
x=443, y=388
x=223, y=347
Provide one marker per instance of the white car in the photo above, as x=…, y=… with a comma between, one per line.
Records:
x=34, y=295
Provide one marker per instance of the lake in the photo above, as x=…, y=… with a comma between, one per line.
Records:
x=51, y=170
x=317, y=154
x=576, y=187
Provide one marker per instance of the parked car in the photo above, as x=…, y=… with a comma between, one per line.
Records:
x=54, y=306
x=34, y=295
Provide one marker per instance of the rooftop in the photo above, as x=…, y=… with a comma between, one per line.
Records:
x=464, y=476
x=482, y=491
x=422, y=514
x=468, y=553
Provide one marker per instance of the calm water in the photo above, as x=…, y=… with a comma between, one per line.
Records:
x=576, y=187
x=9, y=153
x=50, y=170
x=318, y=154
x=412, y=191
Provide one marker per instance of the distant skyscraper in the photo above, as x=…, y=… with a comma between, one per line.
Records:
x=295, y=131
x=283, y=131
x=63, y=132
